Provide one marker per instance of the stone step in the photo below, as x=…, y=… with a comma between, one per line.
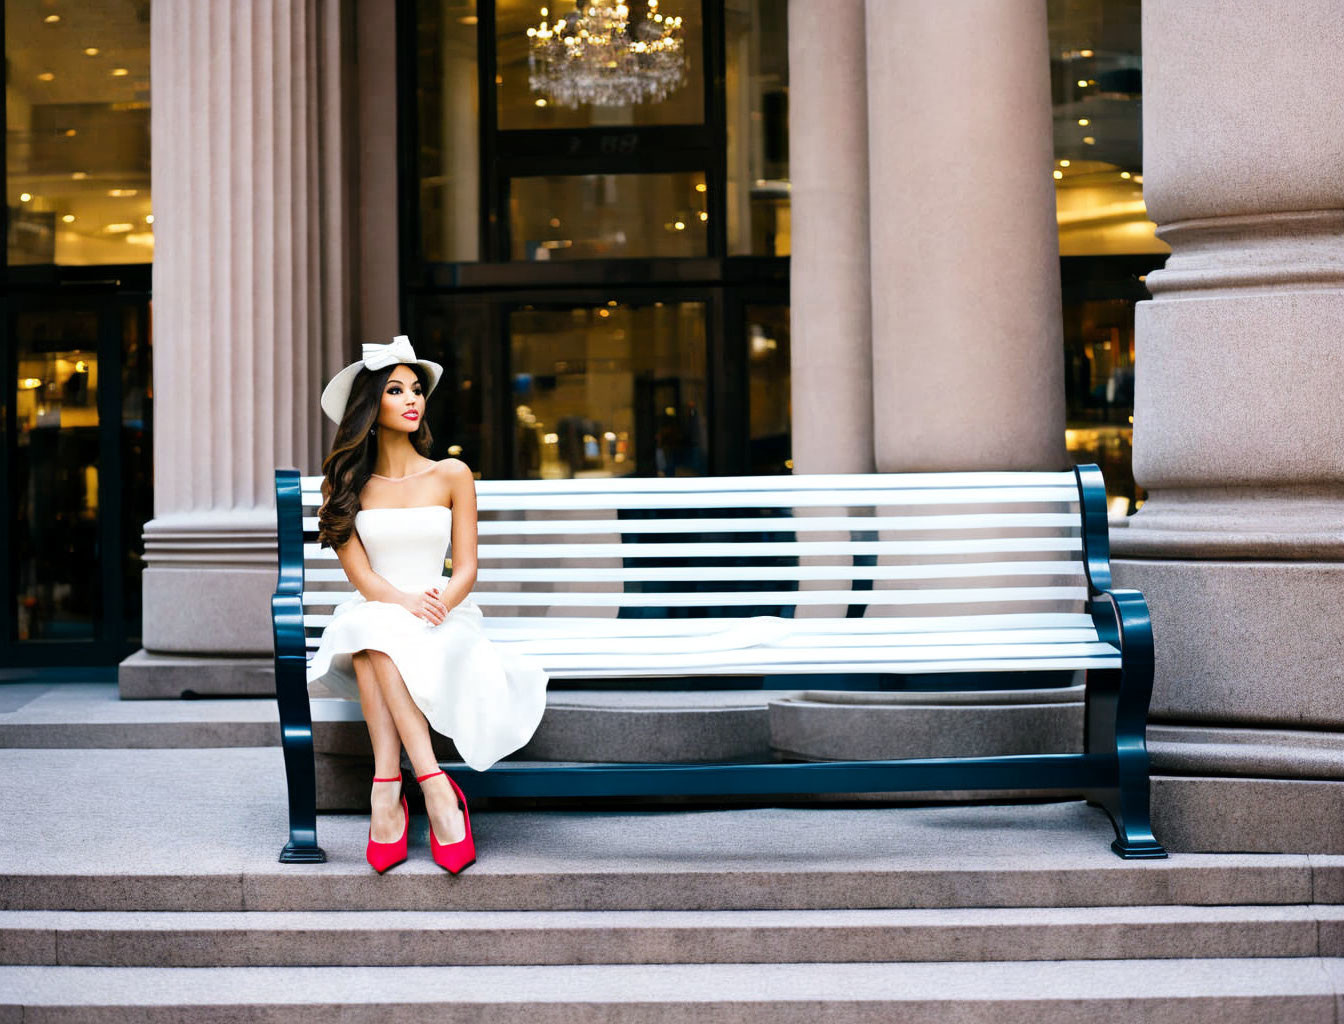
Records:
x=519, y=937
x=1242, y=991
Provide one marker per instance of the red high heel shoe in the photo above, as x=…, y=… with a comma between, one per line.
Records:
x=453, y=857
x=388, y=855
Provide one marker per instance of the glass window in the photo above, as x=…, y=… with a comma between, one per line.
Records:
x=1106, y=241
x=55, y=477
x=756, y=87
x=608, y=216
x=137, y=457
x=449, y=124
x=521, y=106
x=1096, y=83
x=768, y=382
x=77, y=117
x=611, y=390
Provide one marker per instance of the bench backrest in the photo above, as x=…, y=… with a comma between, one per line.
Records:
x=955, y=552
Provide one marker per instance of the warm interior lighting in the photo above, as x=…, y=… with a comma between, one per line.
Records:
x=119, y=228
x=46, y=76
x=702, y=187
x=79, y=176
x=1065, y=163
x=704, y=215
x=149, y=219
x=51, y=19
x=1088, y=140
x=118, y=193
x=1126, y=175
x=1084, y=53
x=1083, y=122
x=70, y=133
x=541, y=102
x=69, y=218
x=1058, y=174
x=81, y=366
x=25, y=196
x=119, y=72
x=91, y=51
x=30, y=383
x=1082, y=83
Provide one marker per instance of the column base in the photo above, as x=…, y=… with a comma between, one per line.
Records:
x=150, y=676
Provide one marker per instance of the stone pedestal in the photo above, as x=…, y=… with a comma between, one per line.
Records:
x=967, y=339
x=252, y=310
x=1239, y=420
x=829, y=273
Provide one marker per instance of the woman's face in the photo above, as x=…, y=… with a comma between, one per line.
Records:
x=403, y=403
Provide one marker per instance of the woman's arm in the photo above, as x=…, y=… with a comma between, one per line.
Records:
x=355, y=561
x=463, y=490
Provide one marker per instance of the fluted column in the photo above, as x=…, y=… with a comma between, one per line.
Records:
x=967, y=338
x=829, y=277
x=1239, y=420
x=252, y=310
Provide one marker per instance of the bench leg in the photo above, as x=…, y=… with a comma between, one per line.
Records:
x=296, y=737
x=1116, y=717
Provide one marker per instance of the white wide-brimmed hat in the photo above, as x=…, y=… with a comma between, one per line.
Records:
x=376, y=357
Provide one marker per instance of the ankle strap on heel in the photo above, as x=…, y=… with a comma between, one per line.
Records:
x=395, y=778
x=422, y=778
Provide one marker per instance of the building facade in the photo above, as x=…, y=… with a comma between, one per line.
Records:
x=855, y=236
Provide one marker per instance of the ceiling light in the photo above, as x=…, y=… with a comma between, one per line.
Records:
x=1084, y=53
x=1126, y=175
x=25, y=196
x=1088, y=140
x=1065, y=163
x=51, y=19
x=1058, y=175
x=149, y=219
x=119, y=72
x=79, y=175
x=69, y=218
x=704, y=215
x=70, y=133
x=91, y=51
x=1082, y=83
x=1083, y=122
x=541, y=102
x=46, y=76
x=117, y=229
x=118, y=193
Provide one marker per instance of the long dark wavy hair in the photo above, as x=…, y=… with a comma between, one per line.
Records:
x=354, y=452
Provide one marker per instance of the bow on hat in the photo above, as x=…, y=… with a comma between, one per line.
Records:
x=376, y=357
x=398, y=350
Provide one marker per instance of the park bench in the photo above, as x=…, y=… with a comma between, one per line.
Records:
x=876, y=581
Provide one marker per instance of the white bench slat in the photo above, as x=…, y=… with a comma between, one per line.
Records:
x=1054, y=640
x=993, y=595
x=587, y=574
x=888, y=668
x=1036, y=626
x=571, y=626
x=753, y=549
x=788, y=499
x=310, y=485
x=795, y=524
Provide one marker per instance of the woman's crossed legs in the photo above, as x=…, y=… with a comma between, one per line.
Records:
x=394, y=721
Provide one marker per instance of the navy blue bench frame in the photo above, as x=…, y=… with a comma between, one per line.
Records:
x=1111, y=772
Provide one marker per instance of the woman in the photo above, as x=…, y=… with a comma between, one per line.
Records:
x=410, y=646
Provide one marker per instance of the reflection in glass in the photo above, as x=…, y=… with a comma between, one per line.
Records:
x=521, y=108
x=137, y=458
x=77, y=105
x=55, y=476
x=769, y=389
x=608, y=216
x=1096, y=82
x=756, y=87
x=449, y=115
x=612, y=390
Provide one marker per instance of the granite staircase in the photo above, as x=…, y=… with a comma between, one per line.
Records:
x=138, y=881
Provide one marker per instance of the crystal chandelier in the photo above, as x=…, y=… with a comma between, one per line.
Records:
x=596, y=54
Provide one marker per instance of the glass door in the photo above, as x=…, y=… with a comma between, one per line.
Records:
x=77, y=484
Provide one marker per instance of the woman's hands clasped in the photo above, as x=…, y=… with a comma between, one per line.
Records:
x=426, y=605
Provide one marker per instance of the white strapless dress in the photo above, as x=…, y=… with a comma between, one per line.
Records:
x=487, y=699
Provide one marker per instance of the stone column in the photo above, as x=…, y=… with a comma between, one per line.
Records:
x=967, y=339
x=252, y=313
x=831, y=362
x=1239, y=422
